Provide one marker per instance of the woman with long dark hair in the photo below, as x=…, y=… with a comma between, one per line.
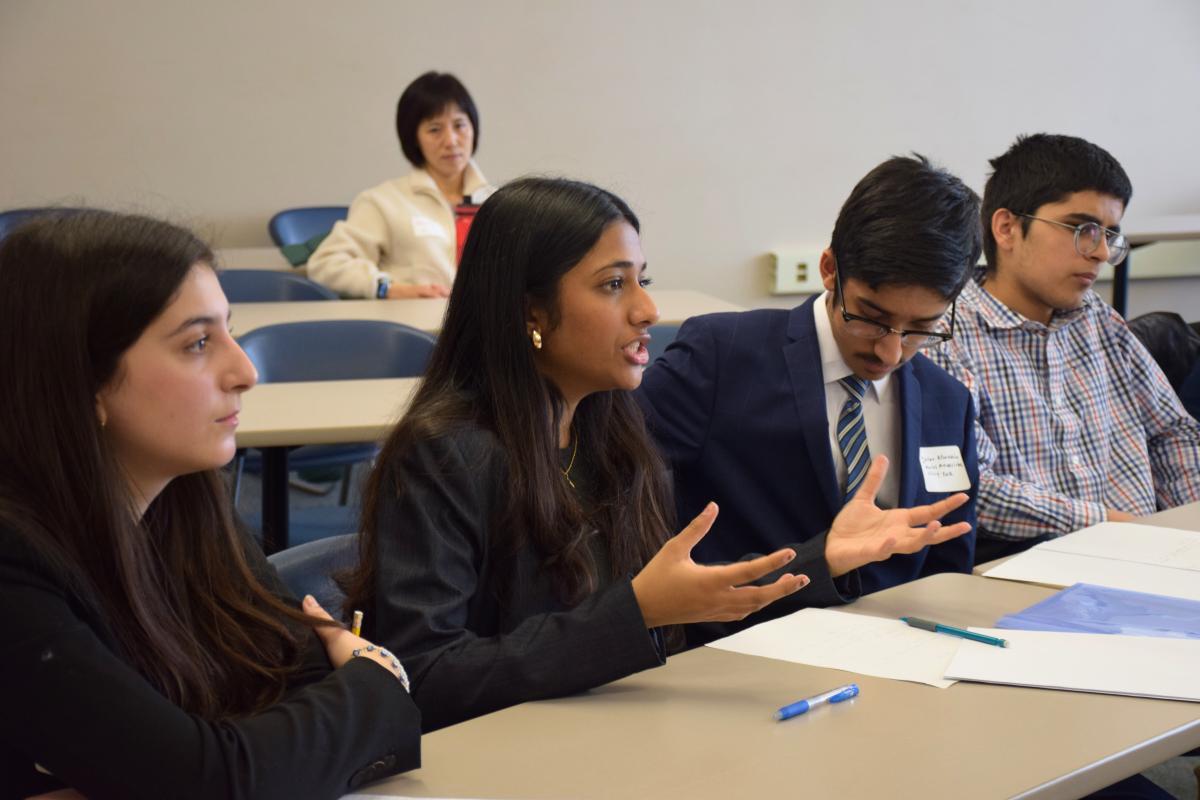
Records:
x=516, y=524
x=151, y=651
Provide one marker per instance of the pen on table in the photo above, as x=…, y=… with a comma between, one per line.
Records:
x=937, y=627
x=356, y=625
x=832, y=696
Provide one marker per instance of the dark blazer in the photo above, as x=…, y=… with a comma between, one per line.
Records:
x=737, y=405
x=478, y=630
x=73, y=704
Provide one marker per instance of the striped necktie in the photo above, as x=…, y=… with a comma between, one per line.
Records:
x=852, y=434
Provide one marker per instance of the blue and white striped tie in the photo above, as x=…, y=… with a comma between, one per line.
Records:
x=852, y=434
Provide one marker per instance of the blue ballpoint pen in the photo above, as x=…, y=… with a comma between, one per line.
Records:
x=937, y=627
x=832, y=696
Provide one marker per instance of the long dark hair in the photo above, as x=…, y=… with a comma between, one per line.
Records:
x=76, y=291
x=523, y=240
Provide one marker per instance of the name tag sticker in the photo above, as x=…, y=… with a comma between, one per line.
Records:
x=424, y=226
x=944, y=469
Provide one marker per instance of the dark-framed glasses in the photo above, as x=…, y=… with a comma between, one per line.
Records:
x=1088, y=236
x=865, y=328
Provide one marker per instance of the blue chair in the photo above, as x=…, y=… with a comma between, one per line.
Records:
x=660, y=337
x=298, y=231
x=15, y=217
x=309, y=569
x=327, y=350
x=270, y=286
x=337, y=350
x=297, y=225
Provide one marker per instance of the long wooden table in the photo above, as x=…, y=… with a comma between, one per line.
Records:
x=701, y=727
x=674, y=306
x=277, y=416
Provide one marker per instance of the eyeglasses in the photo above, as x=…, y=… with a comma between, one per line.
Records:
x=1088, y=235
x=870, y=329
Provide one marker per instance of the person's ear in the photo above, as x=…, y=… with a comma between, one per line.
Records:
x=101, y=413
x=828, y=269
x=1006, y=229
x=537, y=322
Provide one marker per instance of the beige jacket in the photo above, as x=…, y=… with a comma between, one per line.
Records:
x=403, y=228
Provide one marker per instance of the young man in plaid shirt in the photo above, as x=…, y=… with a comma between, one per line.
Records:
x=1076, y=422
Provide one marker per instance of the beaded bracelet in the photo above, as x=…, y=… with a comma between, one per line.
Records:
x=395, y=664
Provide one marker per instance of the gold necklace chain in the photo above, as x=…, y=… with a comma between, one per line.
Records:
x=567, y=472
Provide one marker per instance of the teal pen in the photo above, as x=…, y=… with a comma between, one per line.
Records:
x=937, y=627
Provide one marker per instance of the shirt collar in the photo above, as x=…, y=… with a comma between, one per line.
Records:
x=473, y=181
x=833, y=366
x=996, y=315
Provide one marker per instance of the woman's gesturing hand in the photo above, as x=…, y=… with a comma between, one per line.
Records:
x=673, y=589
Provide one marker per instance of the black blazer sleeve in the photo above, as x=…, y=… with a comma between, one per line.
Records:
x=435, y=596
x=80, y=712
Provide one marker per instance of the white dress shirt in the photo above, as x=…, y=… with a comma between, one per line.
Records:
x=881, y=409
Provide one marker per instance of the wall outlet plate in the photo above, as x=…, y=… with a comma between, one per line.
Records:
x=796, y=270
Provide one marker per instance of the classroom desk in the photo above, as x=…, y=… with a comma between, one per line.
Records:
x=1148, y=230
x=701, y=727
x=275, y=416
x=255, y=258
x=674, y=306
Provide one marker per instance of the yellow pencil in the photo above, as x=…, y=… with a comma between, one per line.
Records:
x=356, y=625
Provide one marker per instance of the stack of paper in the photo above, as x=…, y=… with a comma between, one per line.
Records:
x=1141, y=666
x=1123, y=555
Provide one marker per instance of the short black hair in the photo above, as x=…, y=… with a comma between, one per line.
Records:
x=909, y=223
x=426, y=97
x=1045, y=168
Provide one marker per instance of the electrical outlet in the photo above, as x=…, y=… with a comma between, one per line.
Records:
x=796, y=271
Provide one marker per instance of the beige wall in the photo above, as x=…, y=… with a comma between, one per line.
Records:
x=731, y=127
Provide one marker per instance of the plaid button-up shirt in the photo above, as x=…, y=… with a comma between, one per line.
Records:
x=1072, y=418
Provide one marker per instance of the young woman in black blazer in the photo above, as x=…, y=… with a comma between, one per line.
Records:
x=516, y=524
x=151, y=651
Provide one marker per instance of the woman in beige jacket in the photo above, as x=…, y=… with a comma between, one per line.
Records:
x=399, y=239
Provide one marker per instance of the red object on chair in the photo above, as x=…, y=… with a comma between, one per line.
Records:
x=464, y=215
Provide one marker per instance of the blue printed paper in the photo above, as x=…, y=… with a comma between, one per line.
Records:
x=1086, y=608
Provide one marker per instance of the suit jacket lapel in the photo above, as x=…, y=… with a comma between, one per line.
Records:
x=803, y=357
x=910, y=435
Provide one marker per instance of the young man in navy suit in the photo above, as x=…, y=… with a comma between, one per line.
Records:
x=777, y=414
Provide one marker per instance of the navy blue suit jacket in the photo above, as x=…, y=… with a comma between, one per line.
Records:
x=737, y=405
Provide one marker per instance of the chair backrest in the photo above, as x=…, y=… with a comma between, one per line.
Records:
x=309, y=568
x=17, y=216
x=660, y=337
x=337, y=350
x=1172, y=342
x=298, y=225
x=270, y=286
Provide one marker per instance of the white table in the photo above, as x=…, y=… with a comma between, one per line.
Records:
x=277, y=416
x=1148, y=230
x=255, y=258
x=701, y=727
x=674, y=306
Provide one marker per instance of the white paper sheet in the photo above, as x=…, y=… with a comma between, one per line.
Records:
x=884, y=648
x=1064, y=569
x=1128, y=541
x=1143, y=666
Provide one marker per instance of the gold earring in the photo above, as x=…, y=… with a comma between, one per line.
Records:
x=535, y=336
